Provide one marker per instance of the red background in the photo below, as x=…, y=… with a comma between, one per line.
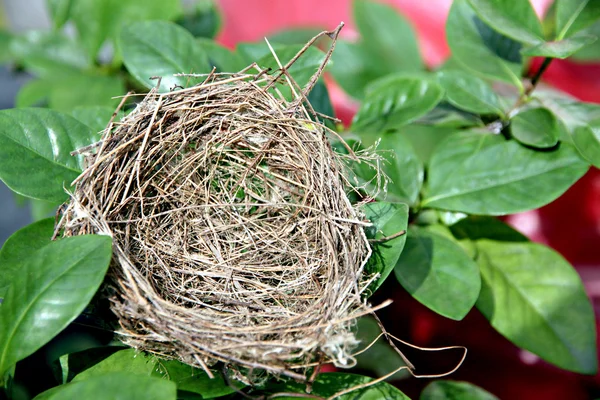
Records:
x=570, y=224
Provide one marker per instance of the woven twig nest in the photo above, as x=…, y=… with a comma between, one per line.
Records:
x=234, y=239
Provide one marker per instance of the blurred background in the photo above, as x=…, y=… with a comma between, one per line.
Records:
x=570, y=225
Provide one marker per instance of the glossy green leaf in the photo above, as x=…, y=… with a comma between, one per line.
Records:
x=387, y=45
x=351, y=68
x=454, y=390
x=99, y=20
x=475, y=227
x=469, y=93
x=203, y=20
x=251, y=52
x=34, y=93
x=387, y=37
x=438, y=273
x=587, y=141
x=95, y=117
x=71, y=364
x=49, y=54
x=513, y=18
x=388, y=219
x=38, y=143
x=445, y=115
x=571, y=112
x=86, y=90
x=561, y=48
x=60, y=11
x=221, y=57
x=129, y=361
x=21, y=245
x=590, y=52
x=487, y=174
x=536, y=127
x=194, y=380
x=330, y=383
x=425, y=139
x=574, y=15
x=41, y=209
x=52, y=288
x=399, y=102
x=533, y=297
x=114, y=386
x=161, y=48
x=402, y=165
x=479, y=48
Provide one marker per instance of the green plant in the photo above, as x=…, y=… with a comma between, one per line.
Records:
x=472, y=140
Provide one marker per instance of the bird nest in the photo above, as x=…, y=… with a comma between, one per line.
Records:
x=234, y=238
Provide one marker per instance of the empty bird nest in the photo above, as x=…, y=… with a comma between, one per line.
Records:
x=233, y=235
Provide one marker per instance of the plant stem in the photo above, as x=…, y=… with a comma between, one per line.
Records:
x=536, y=78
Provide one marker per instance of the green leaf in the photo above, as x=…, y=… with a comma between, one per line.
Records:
x=49, y=54
x=536, y=127
x=590, y=52
x=85, y=90
x=387, y=37
x=41, y=209
x=388, y=219
x=111, y=386
x=397, y=103
x=221, y=57
x=129, y=361
x=329, y=383
x=575, y=15
x=533, y=297
x=561, y=48
x=478, y=48
x=60, y=11
x=203, y=21
x=99, y=20
x=5, y=39
x=570, y=111
x=64, y=93
x=470, y=93
x=351, y=68
x=71, y=364
x=403, y=166
x=587, y=141
x=38, y=143
x=475, y=227
x=34, y=93
x=53, y=287
x=454, y=390
x=21, y=245
x=160, y=48
x=487, y=174
x=445, y=115
x=513, y=18
x=95, y=117
x=194, y=380
x=388, y=45
x=438, y=273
